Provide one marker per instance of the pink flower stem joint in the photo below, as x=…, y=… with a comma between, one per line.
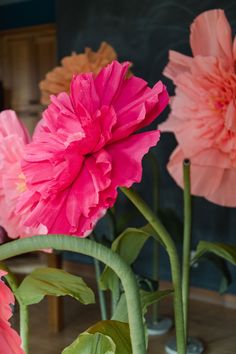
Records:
x=174, y=262
x=103, y=254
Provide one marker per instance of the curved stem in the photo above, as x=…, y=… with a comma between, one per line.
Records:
x=156, y=245
x=186, y=244
x=103, y=254
x=24, y=327
x=174, y=262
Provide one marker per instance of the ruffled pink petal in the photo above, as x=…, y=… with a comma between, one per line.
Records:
x=205, y=180
x=6, y=299
x=106, y=120
x=188, y=134
x=141, y=112
x=132, y=89
x=234, y=48
x=230, y=116
x=109, y=82
x=49, y=212
x=10, y=342
x=127, y=155
x=84, y=204
x=54, y=168
x=177, y=65
x=170, y=125
x=84, y=97
x=67, y=211
x=225, y=194
x=11, y=125
x=211, y=36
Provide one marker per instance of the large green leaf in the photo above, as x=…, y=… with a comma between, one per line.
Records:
x=147, y=298
x=221, y=265
x=88, y=343
x=128, y=245
x=117, y=331
x=225, y=251
x=52, y=281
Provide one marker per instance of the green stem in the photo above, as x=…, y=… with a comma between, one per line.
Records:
x=156, y=245
x=186, y=243
x=24, y=327
x=174, y=262
x=115, y=294
x=156, y=275
x=101, y=294
x=103, y=254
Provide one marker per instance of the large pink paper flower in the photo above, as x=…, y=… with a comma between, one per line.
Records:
x=10, y=342
x=203, y=111
x=13, y=138
x=84, y=149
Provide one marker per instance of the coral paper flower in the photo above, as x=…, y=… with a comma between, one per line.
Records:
x=59, y=79
x=13, y=139
x=10, y=342
x=84, y=149
x=203, y=111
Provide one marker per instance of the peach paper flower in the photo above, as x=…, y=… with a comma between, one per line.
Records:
x=59, y=79
x=13, y=139
x=85, y=148
x=203, y=110
x=10, y=342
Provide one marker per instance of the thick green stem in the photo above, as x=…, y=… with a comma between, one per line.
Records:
x=24, y=327
x=101, y=295
x=174, y=262
x=103, y=254
x=187, y=243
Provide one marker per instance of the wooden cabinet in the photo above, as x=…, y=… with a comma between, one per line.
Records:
x=26, y=55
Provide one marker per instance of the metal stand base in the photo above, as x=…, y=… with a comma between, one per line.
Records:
x=194, y=346
x=160, y=327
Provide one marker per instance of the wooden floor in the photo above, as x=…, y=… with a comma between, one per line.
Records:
x=215, y=325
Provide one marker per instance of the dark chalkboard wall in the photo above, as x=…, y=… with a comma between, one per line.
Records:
x=143, y=32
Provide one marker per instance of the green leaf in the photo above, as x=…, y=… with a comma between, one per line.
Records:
x=221, y=265
x=147, y=299
x=52, y=281
x=88, y=343
x=225, y=251
x=117, y=331
x=128, y=245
